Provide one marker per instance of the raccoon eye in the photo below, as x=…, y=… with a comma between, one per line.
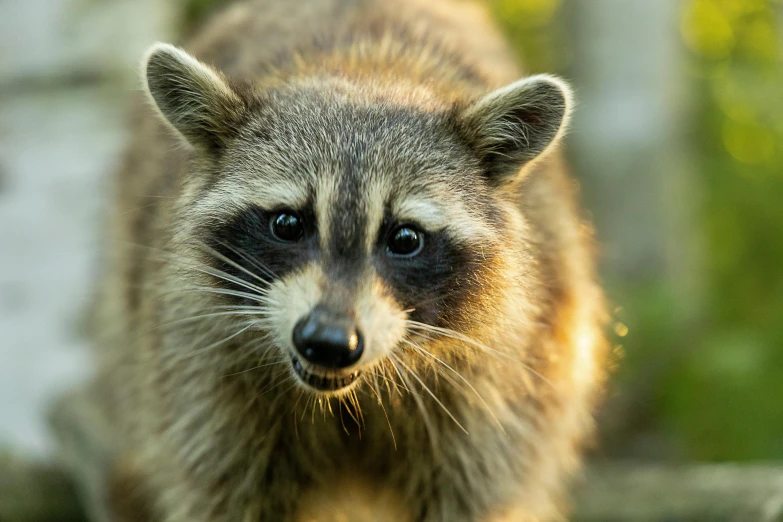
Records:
x=405, y=242
x=287, y=226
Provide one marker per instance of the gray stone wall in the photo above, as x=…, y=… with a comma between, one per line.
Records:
x=67, y=68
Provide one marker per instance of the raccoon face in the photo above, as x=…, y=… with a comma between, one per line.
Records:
x=344, y=220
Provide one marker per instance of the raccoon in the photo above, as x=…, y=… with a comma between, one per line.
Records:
x=346, y=276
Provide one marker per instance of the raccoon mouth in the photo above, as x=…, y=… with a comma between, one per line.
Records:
x=323, y=382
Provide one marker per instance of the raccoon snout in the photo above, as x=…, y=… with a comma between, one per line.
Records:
x=327, y=339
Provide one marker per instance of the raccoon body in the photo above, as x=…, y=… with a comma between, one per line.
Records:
x=346, y=275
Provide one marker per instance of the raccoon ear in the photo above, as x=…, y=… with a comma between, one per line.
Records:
x=195, y=99
x=515, y=124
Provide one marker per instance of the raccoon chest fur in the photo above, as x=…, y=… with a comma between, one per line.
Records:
x=362, y=281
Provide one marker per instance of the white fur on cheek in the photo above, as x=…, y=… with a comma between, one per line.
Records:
x=294, y=296
x=381, y=321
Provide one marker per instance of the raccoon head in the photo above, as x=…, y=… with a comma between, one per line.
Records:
x=346, y=218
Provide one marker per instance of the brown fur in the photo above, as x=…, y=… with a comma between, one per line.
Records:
x=213, y=440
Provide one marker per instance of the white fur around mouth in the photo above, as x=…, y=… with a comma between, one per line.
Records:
x=323, y=382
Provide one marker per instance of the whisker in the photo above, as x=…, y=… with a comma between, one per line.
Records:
x=434, y=397
x=233, y=263
x=446, y=332
x=283, y=373
x=383, y=409
x=240, y=307
x=224, y=291
x=280, y=360
x=293, y=411
x=213, y=345
x=255, y=262
x=461, y=377
x=205, y=316
x=343, y=406
x=434, y=441
x=202, y=268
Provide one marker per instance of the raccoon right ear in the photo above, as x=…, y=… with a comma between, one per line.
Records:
x=194, y=98
x=510, y=127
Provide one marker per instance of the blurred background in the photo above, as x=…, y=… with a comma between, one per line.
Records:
x=677, y=145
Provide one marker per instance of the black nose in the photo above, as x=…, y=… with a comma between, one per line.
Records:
x=328, y=340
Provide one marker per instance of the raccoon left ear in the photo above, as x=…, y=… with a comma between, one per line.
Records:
x=515, y=124
x=194, y=98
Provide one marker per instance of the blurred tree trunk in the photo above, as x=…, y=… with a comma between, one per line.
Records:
x=629, y=132
x=629, y=150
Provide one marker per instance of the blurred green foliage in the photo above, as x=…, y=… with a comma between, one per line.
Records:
x=196, y=11
x=535, y=28
x=726, y=401
x=718, y=394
